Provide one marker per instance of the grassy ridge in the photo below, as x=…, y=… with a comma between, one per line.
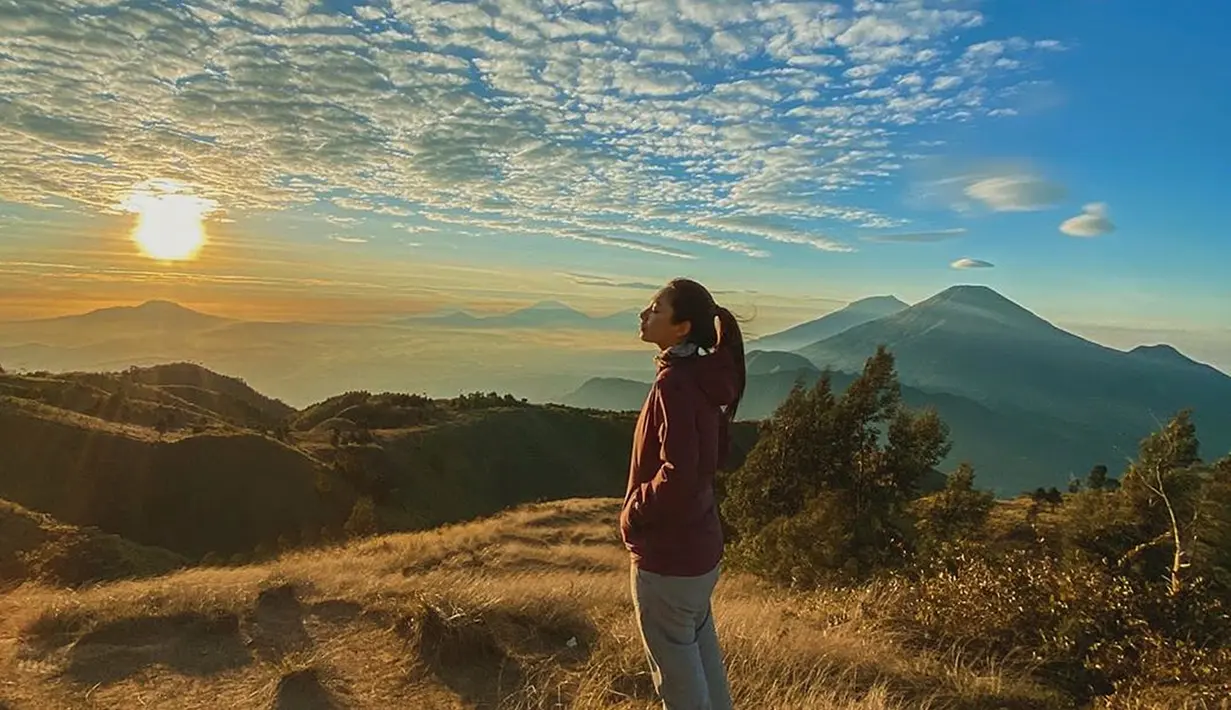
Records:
x=527, y=610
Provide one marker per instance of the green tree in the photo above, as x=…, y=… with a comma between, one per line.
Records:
x=825, y=490
x=1096, y=480
x=1163, y=487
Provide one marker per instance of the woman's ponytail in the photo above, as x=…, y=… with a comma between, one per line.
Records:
x=731, y=341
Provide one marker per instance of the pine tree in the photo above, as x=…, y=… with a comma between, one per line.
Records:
x=825, y=489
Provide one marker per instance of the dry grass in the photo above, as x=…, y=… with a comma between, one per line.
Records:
x=527, y=610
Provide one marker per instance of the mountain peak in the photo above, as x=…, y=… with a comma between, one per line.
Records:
x=891, y=303
x=164, y=306
x=1162, y=352
x=155, y=308
x=551, y=306
x=973, y=292
x=1158, y=349
x=983, y=298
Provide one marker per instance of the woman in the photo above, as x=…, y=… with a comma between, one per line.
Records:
x=670, y=521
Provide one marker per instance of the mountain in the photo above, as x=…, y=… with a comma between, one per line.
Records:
x=107, y=338
x=856, y=313
x=151, y=315
x=545, y=314
x=973, y=342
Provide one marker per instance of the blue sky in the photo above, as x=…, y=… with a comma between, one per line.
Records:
x=798, y=153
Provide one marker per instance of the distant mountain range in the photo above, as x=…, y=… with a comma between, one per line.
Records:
x=1028, y=403
x=301, y=362
x=545, y=314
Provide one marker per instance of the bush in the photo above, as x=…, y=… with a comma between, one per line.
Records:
x=1087, y=630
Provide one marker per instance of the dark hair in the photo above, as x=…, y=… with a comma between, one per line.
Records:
x=691, y=302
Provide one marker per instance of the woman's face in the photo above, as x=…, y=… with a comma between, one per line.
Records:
x=656, y=325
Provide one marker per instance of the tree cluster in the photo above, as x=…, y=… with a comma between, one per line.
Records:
x=1126, y=583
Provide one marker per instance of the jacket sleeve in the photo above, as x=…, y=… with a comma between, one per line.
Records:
x=677, y=480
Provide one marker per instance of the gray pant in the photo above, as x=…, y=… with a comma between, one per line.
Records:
x=677, y=628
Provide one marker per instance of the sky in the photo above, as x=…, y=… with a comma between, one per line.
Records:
x=365, y=160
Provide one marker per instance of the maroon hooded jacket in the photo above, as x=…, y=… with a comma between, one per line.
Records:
x=670, y=518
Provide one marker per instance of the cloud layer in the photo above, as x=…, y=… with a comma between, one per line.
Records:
x=939, y=235
x=1015, y=193
x=968, y=263
x=662, y=127
x=1092, y=222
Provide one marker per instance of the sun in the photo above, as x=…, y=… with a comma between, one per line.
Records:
x=170, y=218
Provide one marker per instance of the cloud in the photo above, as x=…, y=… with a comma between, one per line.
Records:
x=938, y=235
x=968, y=263
x=601, y=108
x=1015, y=193
x=1093, y=222
x=349, y=240
x=594, y=280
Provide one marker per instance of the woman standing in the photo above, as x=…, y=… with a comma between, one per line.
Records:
x=670, y=520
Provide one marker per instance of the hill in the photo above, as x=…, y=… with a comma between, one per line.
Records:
x=830, y=324
x=35, y=547
x=973, y=342
x=141, y=461
x=225, y=490
x=525, y=610
x=617, y=394
x=1164, y=354
x=178, y=395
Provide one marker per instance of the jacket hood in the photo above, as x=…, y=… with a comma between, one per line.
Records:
x=716, y=373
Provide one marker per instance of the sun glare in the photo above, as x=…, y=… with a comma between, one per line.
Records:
x=169, y=219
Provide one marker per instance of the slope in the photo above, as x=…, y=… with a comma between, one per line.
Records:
x=37, y=547
x=973, y=342
x=525, y=611
x=179, y=395
x=830, y=324
x=226, y=491
x=427, y=462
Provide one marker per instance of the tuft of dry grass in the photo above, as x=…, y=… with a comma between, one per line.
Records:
x=527, y=610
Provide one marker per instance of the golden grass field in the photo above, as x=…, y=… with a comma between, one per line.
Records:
x=527, y=609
